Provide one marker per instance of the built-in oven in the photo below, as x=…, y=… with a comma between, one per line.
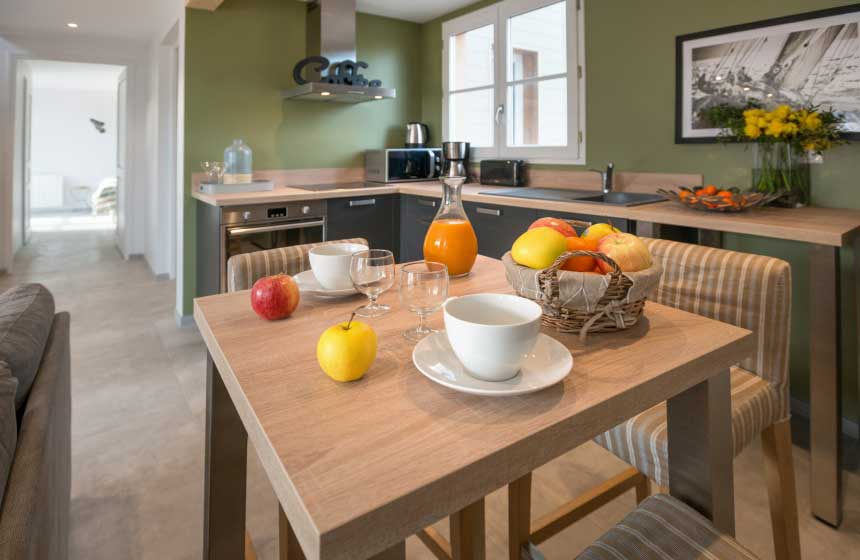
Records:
x=402, y=164
x=260, y=227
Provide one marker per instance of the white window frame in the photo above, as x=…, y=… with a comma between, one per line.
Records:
x=498, y=15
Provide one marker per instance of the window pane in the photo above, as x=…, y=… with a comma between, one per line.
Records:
x=470, y=118
x=537, y=43
x=537, y=113
x=471, y=62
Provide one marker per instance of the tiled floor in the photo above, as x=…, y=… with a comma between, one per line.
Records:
x=138, y=398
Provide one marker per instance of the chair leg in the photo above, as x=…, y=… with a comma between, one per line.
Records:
x=519, y=515
x=779, y=471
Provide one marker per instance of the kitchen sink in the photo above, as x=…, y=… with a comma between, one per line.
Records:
x=623, y=198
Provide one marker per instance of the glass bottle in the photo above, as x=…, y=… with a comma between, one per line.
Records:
x=237, y=162
x=451, y=239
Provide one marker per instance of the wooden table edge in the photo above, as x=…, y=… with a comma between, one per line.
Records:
x=300, y=519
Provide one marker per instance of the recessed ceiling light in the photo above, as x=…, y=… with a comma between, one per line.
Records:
x=719, y=78
x=324, y=93
x=377, y=97
x=72, y=24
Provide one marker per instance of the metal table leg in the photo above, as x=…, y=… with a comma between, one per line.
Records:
x=225, y=476
x=700, y=450
x=825, y=384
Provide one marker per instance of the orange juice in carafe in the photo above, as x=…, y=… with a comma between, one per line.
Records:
x=451, y=239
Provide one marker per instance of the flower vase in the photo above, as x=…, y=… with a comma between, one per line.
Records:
x=780, y=168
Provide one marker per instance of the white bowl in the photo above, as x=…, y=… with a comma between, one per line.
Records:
x=330, y=264
x=491, y=334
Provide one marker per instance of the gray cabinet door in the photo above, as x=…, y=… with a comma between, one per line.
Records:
x=497, y=226
x=375, y=218
x=416, y=214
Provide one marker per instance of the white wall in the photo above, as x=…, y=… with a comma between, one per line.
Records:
x=18, y=168
x=16, y=47
x=65, y=142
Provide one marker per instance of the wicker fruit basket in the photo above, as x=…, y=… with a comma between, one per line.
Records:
x=581, y=302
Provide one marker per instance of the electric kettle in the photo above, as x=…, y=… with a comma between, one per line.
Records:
x=417, y=135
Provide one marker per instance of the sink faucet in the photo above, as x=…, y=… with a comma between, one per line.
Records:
x=606, y=177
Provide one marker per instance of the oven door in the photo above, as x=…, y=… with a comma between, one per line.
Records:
x=243, y=239
x=413, y=165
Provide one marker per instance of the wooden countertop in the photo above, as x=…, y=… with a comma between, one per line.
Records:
x=818, y=225
x=360, y=466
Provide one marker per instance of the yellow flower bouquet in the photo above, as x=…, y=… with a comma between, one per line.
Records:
x=783, y=138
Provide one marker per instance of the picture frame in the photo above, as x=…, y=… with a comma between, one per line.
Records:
x=809, y=58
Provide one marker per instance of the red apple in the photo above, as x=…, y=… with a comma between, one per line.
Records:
x=557, y=224
x=275, y=297
x=627, y=250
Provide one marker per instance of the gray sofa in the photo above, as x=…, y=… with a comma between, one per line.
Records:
x=35, y=426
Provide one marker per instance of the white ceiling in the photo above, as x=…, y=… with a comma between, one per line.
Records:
x=137, y=20
x=51, y=74
x=420, y=11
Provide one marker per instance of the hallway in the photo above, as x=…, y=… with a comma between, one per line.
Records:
x=137, y=429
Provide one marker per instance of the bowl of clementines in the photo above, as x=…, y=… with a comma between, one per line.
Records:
x=710, y=198
x=593, y=281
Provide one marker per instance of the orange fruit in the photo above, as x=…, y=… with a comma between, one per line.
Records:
x=726, y=194
x=580, y=264
x=708, y=190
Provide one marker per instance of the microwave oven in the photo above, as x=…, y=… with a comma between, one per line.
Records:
x=402, y=164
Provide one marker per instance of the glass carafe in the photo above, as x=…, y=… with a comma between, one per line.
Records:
x=238, y=163
x=451, y=239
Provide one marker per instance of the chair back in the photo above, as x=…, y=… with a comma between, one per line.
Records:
x=749, y=291
x=245, y=269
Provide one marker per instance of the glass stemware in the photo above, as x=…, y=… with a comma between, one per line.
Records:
x=372, y=273
x=213, y=171
x=423, y=290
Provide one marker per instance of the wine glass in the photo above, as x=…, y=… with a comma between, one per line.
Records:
x=423, y=290
x=372, y=272
x=213, y=171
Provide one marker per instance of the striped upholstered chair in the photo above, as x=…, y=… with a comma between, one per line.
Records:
x=663, y=527
x=245, y=269
x=750, y=291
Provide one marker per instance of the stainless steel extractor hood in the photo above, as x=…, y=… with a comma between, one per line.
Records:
x=331, y=71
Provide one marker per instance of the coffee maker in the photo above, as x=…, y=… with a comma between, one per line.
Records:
x=455, y=156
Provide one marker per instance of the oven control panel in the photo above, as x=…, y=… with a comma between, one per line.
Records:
x=261, y=213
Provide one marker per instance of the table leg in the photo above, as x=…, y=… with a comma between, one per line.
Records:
x=648, y=229
x=225, y=465
x=288, y=545
x=700, y=450
x=825, y=389
x=467, y=533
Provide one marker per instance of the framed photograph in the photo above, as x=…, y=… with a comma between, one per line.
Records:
x=811, y=58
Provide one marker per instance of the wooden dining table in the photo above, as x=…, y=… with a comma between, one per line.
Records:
x=359, y=467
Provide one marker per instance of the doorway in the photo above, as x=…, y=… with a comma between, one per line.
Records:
x=73, y=146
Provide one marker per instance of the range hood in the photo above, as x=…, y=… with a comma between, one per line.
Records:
x=331, y=71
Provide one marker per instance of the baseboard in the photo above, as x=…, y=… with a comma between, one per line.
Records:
x=162, y=276
x=183, y=321
x=850, y=428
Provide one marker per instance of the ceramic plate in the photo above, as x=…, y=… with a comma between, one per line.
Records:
x=547, y=364
x=308, y=285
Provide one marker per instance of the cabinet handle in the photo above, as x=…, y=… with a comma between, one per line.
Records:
x=365, y=202
x=489, y=211
x=428, y=203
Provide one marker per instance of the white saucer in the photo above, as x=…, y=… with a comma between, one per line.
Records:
x=547, y=364
x=308, y=284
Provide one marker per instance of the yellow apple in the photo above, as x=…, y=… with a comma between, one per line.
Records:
x=347, y=350
x=596, y=232
x=538, y=247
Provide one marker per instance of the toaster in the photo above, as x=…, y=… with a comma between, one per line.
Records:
x=503, y=172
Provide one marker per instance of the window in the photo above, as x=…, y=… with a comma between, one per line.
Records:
x=513, y=81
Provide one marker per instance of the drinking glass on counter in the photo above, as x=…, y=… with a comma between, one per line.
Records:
x=213, y=171
x=372, y=273
x=423, y=290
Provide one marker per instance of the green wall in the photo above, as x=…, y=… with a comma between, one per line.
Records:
x=238, y=59
x=630, y=116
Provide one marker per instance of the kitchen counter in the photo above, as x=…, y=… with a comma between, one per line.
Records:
x=822, y=226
